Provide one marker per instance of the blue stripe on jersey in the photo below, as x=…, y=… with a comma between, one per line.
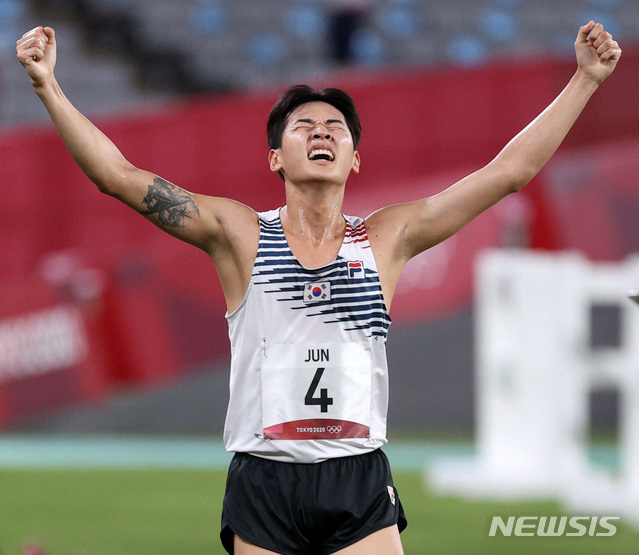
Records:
x=355, y=302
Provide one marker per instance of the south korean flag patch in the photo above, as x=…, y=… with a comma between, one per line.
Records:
x=317, y=292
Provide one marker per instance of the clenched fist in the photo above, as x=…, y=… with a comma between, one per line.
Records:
x=597, y=51
x=36, y=51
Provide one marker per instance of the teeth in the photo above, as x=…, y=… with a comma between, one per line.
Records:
x=320, y=152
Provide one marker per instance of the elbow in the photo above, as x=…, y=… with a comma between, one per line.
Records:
x=102, y=186
x=105, y=186
x=111, y=181
x=518, y=183
x=515, y=177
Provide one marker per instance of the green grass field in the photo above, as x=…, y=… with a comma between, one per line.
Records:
x=177, y=512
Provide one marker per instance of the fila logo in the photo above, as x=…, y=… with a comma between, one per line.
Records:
x=355, y=269
x=391, y=494
x=318, y=291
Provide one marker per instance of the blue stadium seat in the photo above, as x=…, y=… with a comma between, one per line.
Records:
x=368, y=48
x=401, y=21
x=468, y=50
x=500, y=26
x=11, y=11
x=306, y=22
x=267, y=49
x=210, y=17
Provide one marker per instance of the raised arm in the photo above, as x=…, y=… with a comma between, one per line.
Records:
x=224, y=228
x=416, y=226
x=190, y=217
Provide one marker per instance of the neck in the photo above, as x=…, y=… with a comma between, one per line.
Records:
x=314, y=213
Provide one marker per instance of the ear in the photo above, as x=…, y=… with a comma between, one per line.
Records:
x=274, y=160
x=356, y=162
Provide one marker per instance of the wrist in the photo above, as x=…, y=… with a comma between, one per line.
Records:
x=586, y=81
x=45, y=87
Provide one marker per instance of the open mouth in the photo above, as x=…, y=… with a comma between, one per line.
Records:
x=321, y=154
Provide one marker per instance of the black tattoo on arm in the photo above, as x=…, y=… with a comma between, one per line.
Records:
x=170, y=203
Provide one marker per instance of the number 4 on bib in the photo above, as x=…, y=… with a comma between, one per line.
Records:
x=324, y=401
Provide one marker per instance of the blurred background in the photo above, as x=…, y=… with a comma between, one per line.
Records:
x=107, y=326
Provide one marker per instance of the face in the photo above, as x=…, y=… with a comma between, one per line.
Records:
x=317, y=146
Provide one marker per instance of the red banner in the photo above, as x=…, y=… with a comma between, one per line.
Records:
x=596, y=199
x=51, y=353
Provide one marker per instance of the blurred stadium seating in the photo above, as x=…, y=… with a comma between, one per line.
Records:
x=121, y=54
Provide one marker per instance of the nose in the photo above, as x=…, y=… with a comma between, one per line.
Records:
x=321, y=132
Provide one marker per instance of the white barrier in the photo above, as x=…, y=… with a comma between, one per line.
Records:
x=535, y=369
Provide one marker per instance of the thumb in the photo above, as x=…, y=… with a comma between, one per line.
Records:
x=50, y=33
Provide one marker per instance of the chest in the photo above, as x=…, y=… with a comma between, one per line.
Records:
x=312, y=254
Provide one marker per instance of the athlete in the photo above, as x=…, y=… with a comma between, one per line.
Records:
x=308, y=291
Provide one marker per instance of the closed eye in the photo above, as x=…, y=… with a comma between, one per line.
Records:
x=335, y=123
x=308, y=125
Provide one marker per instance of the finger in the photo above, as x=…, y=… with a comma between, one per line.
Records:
x=29, y=34
x=584, y=31
x=31, y=48
x=603, y=38
x=613, y=53
x=33, y=31
x=31, y=39
x=603, y=47
x=32, y=42
x=596, y=30
x=35, y=54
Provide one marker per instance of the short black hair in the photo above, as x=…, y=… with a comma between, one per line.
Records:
x=302, y=94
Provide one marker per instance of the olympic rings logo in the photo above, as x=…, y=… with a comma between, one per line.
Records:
x=333, y=429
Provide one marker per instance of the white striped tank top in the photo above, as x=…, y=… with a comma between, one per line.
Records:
x=309, y=378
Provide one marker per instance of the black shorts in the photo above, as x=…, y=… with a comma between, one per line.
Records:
x=314, y=509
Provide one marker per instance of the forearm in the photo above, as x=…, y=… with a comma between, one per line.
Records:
x=524, y=156
x=93, y=151
x=436, y=218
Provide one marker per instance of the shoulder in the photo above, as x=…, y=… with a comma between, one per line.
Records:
x=221, y=208
x=229, y=221
x=386, y=229
x=354, y=221
x=269, y=215
x=386, y=222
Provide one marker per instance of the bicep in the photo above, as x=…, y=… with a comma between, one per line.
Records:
x=187, y=216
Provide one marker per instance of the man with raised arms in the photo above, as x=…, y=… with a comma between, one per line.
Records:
x=308, y=291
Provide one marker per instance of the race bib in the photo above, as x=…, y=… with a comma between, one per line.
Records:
x=316, y=391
